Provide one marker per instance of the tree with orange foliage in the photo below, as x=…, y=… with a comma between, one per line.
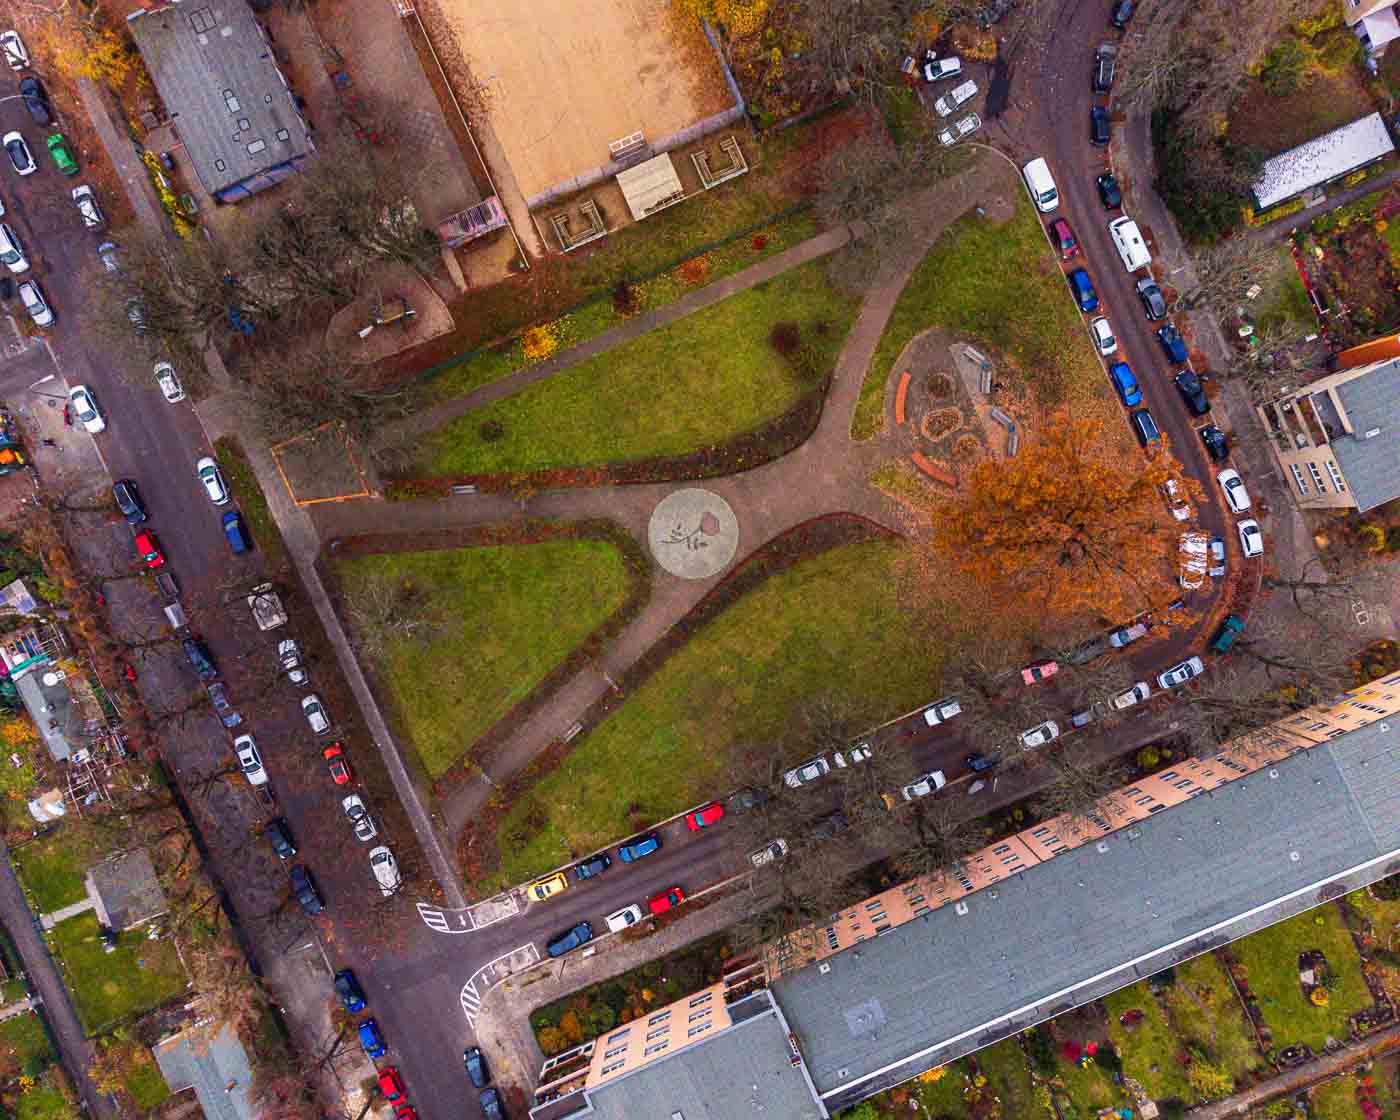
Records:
x=1067, y=527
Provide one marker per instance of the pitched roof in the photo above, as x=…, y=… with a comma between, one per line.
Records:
x=1225, y=863
x=126, y=890
x=215, y=1066
x=1321, y=159
x=1369, y=456
x=50, y=705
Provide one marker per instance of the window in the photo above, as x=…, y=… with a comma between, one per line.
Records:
x=614, y=1067
x=1316, y=477
x=699, y=1014
x=655, y=1049
x=614, y=1052
x=1338, y=483
x=659, y=1017
x=652, y=1036
x=1298, y=479
x=699, y=1028
x=618, y=1036
x=701, y=1000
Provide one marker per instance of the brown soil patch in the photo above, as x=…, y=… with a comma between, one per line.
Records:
x=1275, y=124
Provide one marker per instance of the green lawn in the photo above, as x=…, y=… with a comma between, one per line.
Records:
x=1005, y=1063
x=238, y=472
x=945, y=1096
x=699, y=381
x=1000, y=283
x=24, y=1045
x=53, y=866
x=145, y=1085
x=509, y=615
x=1271, y=960
x=1207, y=1014
x=832, y=619
x=1149, y=1049
x=1335, y=1100
x=1284, y=299
x=108, y=987
x=45, y=1101
x=1089, y=1089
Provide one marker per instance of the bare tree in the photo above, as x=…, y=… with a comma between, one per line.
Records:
x=1078, y=782
x=939, y=835
x=384, y=611
x=857, y=44
x=1225, y=271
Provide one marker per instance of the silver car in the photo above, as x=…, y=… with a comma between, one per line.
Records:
x=360, y=819
x=212, y=479
x=315, y=714
x=1181, y=673
x=807, y=772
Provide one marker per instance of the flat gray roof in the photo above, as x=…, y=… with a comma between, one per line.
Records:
x=1322, y=159
x=741, y=1072
x=228, y=100
x=1371, y=466
x=51, y=707
x=1227, y=862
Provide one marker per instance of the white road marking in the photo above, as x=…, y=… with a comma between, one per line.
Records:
x=489, y=975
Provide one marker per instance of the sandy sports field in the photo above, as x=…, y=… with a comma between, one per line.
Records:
x=564, y=78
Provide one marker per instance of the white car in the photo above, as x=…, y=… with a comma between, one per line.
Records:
x=768, y=853
x=1251, y=539
x=1178, y=505
x=386, y=870
x=170, y=386
x=88, y=209
x=941, y=711
x=1181, y=673
x=807, y=772
x=359, y=817
x=21, y=158
x=1194, y=549
x=1217, y=557
x=1103, y=336
x=859, y=753
x=1236, y=496
x=290, y=657
x=85, y=409
x=1040, y=734
x=620, y=920
x=33, y=299
x=249, y=761
x=107, y=254
x=936, y=69
x=212, y=479
x=1135, y=695
x=315, y=714
x=12, y=47
x=924, y=785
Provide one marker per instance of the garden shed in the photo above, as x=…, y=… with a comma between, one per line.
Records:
x=1322, y=159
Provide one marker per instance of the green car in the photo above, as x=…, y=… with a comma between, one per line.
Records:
x=62, y=157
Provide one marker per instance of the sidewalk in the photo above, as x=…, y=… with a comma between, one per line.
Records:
x=1278, y=230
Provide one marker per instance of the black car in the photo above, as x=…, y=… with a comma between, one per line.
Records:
x=1189, y=386
x=218, y=696
x=1088, y=651
x=129, y=501
x=591, y=867
x=352, y=996
x=1154, y=304
x=1100, y=128
x=1122, y=14
x=279, y=835
x=829, y=826
x=305, y=890
x=36, y=100
x=570, y=940
x=1105, y=63
x=1173, y=346
x=1109, y=194
x=476, y=1066
x=980, y=763
x=198, y=656
x=1216, y=443
x=1144, y=427
x=748, y=798
x=491, y=1105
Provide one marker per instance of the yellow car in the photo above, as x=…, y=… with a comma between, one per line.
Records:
x=542, y=889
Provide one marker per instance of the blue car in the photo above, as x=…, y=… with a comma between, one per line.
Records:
x=236, y=532
x=1172, y=345
x=1121, y=374
x=642, y=846
x=566, y=942
x=1083, y=289
x=371, y=1040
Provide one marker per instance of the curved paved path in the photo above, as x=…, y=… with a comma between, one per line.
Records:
x=829, y=473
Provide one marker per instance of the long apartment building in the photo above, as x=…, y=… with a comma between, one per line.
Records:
x=1195, y=856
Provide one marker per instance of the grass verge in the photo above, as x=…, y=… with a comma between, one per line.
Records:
x=238, y=472
x=145, y=1085
x=53, y=867
x=24, y=1046
x=109, y=987
x=509, y=614
x=1270, y=959
x=693, y=383
x=996, y=281
x=834, y=617
x=46, y=1101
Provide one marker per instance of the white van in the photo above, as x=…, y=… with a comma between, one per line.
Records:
x=1127, y=239
x=1041, y=185
x=11, y=251
x=959, y=96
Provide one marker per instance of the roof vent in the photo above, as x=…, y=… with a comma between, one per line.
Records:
x=1293, y=856
x=823, y=968
x=1371, y=433
x=1273, y=773
x=1101, y=847
x=960, y=908
x=1383, y=725
x=1134, y=833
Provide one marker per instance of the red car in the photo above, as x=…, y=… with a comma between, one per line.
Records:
x=338, y=765
x=1063, y=237
x=405, y=1112
x=1041, y=670
x=704, y=816
x=390, y=1084
x=149, y=548
x=659, y=904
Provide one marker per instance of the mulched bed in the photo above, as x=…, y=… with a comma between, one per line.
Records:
x=772, y=441
x=476, y=844
x=639, y=571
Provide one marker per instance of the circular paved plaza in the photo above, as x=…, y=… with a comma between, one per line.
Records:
x=693, y=533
